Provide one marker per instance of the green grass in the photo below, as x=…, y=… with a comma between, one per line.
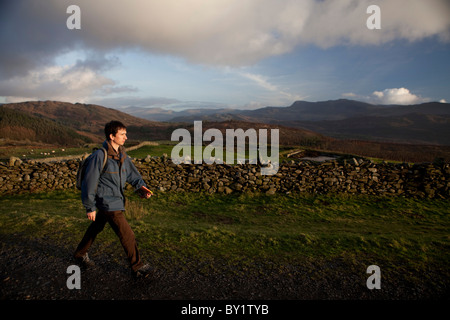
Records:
x=153, y=151
x=164, y=147
x=243, y=228
x=41, y=153
x=167, y=146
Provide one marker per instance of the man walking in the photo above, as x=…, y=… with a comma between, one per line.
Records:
x=102, y=194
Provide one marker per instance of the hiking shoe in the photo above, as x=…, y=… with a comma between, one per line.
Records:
x=144, y=271
x=85, y=261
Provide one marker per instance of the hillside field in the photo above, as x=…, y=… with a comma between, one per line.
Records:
x=240, y=246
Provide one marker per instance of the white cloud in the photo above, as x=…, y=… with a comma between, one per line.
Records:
x=260, y=80
x=66, y=83
x=397, y=96
x=401, y=96
x=343, y=22
x=281, y=95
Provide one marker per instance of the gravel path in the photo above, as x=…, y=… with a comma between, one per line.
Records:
x=36, y=269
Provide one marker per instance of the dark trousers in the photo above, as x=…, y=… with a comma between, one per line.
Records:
x=122, y=229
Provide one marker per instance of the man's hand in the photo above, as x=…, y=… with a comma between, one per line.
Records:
x=91, y=215
x=148, y=195
x=144, y=192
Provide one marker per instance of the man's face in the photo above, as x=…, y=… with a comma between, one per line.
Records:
x=120, y=137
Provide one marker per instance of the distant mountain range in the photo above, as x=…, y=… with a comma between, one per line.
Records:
x=426, y=123
x=187, y=115
x=75, y=124
x=303, y=122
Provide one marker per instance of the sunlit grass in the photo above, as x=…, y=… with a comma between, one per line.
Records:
x=240, y=228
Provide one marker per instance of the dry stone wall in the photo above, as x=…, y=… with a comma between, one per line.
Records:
x=356, y=176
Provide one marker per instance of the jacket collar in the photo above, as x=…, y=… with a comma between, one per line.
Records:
x=113, y=154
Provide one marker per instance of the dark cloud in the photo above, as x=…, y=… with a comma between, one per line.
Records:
x=220, y=32
x=32, y=36
x=224, y=32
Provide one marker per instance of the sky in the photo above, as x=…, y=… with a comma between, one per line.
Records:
x=243, y=54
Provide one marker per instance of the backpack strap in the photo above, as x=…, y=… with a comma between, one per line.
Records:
x=105, y=159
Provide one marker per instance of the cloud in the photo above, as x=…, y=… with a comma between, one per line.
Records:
x=232, y=33
x=260, y=80
x=343, y=22
x=282, y=96
x=219, y=32
x=397, y=96
x=400, y=96
x=72, y=83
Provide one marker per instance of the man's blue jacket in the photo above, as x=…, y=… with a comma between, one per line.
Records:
x=105, y=190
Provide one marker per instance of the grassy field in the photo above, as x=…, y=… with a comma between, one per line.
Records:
x=243, y=234
x=243, y=228
x=164, y=147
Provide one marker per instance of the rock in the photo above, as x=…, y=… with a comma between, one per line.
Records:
x=357, y=176
x=228, y=190
x=14, y=161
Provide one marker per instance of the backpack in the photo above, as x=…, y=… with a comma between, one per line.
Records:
x=83, y=165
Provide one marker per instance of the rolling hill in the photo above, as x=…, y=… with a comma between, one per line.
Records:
x=426, y=123
x=17, y=125
x=287, y=136
x=409, y=128
x=87, y=122
x=85, y=119
x=63, y=123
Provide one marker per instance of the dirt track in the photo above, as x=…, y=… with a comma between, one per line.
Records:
x=36, y=269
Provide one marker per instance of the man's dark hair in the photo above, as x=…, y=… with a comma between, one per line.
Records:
x=112, y=127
